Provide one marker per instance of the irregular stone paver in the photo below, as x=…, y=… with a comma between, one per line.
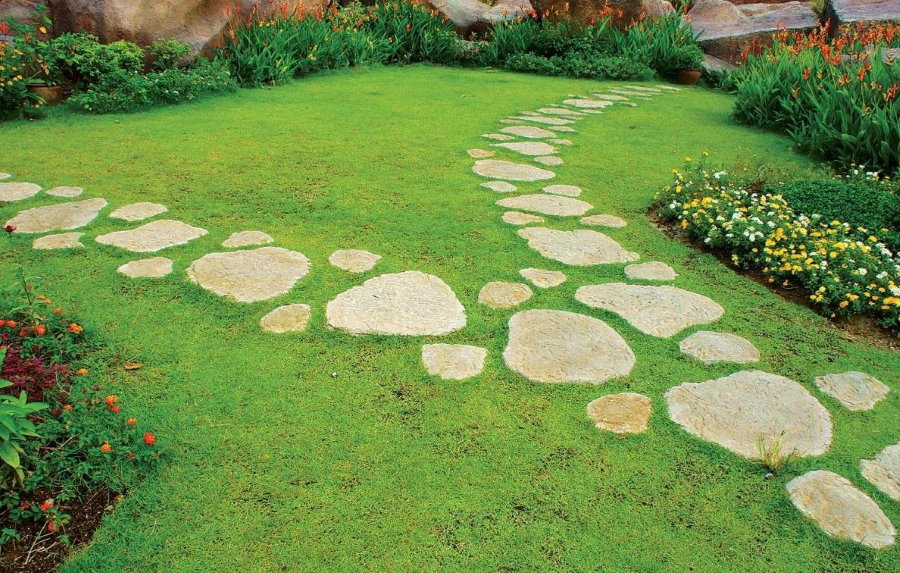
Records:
x=629, y=104
x=498, y=136
x=592, y=111
x=154, y=268
x=509, y=121
x=840, y=509
x=578, y=248
x=560, y=111
x=630, y=93
x=602, y=220
x=247, y=239
x=550, y=160
x=559, y=346
x=543, y=278
x=738, y=411
x=519, y=218
x=410, y=303
x=884, y=471
x=354, y=260
x=19, y=191
x=60, y=241
x=480, y=153
x=652, y=271
x=586, y=103
x=666, y=87
x=529, y=113
x=560, y=141
x=138, y=211
x=65, y=216
x=653, y=91
x=625, y=413
x=504, y=295
x=4, y=176
x=152, y=237
x=855, y=390
x=499, y=186
x=655, y=310
x=250, y=275
x=547, y=204
x=511, y=171
x=712, y=347
x=528, y=132
x=609, y=97
x=453, y=361
x=564, y=190
x=554, y=121
x=287, y=318
x=529, y=147
x=66, y=192
x=565, y=129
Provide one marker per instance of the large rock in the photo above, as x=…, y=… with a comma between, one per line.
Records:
x=18, y=9
x=622, y=11
x=840, y=12
x=475, y=17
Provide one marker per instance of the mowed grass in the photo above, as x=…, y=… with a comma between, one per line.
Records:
x=322, y=451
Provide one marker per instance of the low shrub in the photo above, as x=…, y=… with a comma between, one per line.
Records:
x=666, y=44
x=168, y=53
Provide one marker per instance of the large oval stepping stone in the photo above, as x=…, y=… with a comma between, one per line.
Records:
x=19, y=191
x=652, y=271
x=497, y=136
x=63, y=217
x=152, y=268
x=840, y=509
x=251, y=275
x=560, y=111
x=609, y=97
x=543, y=278
x=66, y=192
x=287, y=318
x=712, y=347
x=354, y=260
x=60, y=241
x=738, y=411
x=518, y=218
x=655, y=310
x=410, y=303
x=550, y=160
x=604, y=221
x=625, y=413
x=855, y=390
x=554, y=121
x=138, y=211
x=499, y=186
x=586, y=103
x=528, y=132
x=564, y=190
x=884, y=471
x=247, y=239
x=512, y=171
x=453, y=361
x=504, y=295
x=152, y=237
x=643, y=89
x=529, y=147
x=547, y=204
x=560, y=346
x=579, y=248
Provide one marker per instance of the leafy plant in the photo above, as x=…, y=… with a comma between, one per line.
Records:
x=15, y=428
x=168, y=53
x=772, y=455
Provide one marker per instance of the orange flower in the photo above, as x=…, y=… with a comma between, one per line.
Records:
x=67, y=407
x=114, y=409
x=105, y=448
x=47, y=505
x=131, y=421
x=149, y=439
x=82, y=372
x=12, y=323
x=75, y=329
x=57, y=311
x=111, y=399
x=40, y=330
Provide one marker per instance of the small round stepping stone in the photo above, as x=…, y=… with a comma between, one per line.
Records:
x=560, y=111
x=354, y=260
x=528, y=147
x=66, y=192
x=592, y=111
x=554, y=121
x=519, y=218
x=604, y=221
x=579, y=248
x=625, y=413
x=884, y=471
x=560, y=346
x=60, y=241
x=247, y=239
x=18, y=191
x=542, y=278
x=287, y=318
x=138, y=211
x=609, y=97
x=504, y=295
x=561, y=141
x=564, y=190
x=511, y=171
x=410, y=303
x=498, y=136
x=550, y=160
x=250, y=275
x=547, y=204
x=528, y=132
x=4, y=176
x=152, y=237
x=154, y=268
x=738, y=411
x=586, y=103
x=565, y=129
x=63, y=217
x=855, y=390
x=453, y=361
x=480, y=153
x=652, y=271
x=511, y=121
x=713, y=347
x=665, y=87
x=840, y=509
x=499, y=186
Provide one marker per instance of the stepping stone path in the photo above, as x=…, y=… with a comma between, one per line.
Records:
x=564, y=190
x=549, y=160
x=63, y=217
x=542, y=278
x=738, y=411
x=154, y=268
x=499, y=186
x=855, y=390
x=660, y=311
x=153, y=237
x=60, y=241
x=559, y=346
x=66, y=192
x=554, y=121
x=480, y=153
x=609, y=97
x=518, y=218
x=18, y=191
x=287, y=318
x=713, y=347
x=528, y=132
x=586, y=103
x=604, y=221
x=547, y=205
x=354, y=260
x=561, y=111
x=840, y=509
x=626, y=413
x=138, y=211
x=529, y=147
x=884, y=471
x=511, y=171
x=453, y=361
x=250, y=275
x=653, y=271
x=247, y=239
x=410, y=303
x=498, y=136
x=579, y=248
x=504, y=295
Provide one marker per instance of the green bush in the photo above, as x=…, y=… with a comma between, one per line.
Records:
x=666, y=44
x=168, y=53
x=84, y=61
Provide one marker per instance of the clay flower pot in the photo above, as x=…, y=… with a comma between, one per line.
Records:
x=687, y=77
x=51, y=95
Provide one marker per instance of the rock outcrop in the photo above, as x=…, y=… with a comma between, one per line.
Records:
x=840, y=12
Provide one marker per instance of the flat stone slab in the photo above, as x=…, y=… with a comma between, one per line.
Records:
x=498, y=136
x=549, y=160
x=652, y=271
x=884, y=471
x=60, y=241
x=609, y=97
x=18, y=191
x=559, y=346
x=713, y=347
x=410, y=303
x=499, y=186
x=504, y=295
x=565, y=129
x=547, y=205
x=4, y=176
x=453, y=361
x=867, y=12
x=66, y=192
x=564, y=190
x=586, y=103
x=625, y=413
x=602, y=220
x=554, y=121
x=251, y=275
x=247, y=239
x=287, y=318
x=511, y=171
x=630, y=93
x=840, y=509
x=529, y=147
x=154, y=268
x=565, y=112
x=543, y=278
x=528, y=132
x=154, y=236
x=519, y=218
x=138, y=211
x=354, y=260
x=579, y=248
x=480, y=153
x=738, y=411
x=63, y=217
x=855, y=390
x=557, y=141
x=660, y=311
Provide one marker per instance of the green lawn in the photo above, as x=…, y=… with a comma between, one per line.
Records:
x=279, y=466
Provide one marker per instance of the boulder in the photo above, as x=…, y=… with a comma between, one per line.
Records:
x=472, y=17
x=19, y=9
x=841, y=12
x=621, y=11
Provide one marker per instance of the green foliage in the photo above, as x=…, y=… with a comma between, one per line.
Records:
x=593, y=66
x=666, y=44
x=15, y=429
x=167, y=53
x=85, y=62
x=507, y=39
x=772, y=455
x=22, y=61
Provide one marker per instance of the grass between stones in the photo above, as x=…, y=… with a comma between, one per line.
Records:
x=278, y=464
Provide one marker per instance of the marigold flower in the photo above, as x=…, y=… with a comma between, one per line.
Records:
x=57, y=311
x=105, y=448
x=131, y=421
x=149, y=438
x=111, y=399
x=67, y=407
x=40, y=330
x=114, y=409
x=75, y=329
x=82, y=372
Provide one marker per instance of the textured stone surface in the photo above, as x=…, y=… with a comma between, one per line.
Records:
x=655, y=310
x=409, y=303
x=354, y=260
x=652, y=271
x=152, y=237
x=554, y=121
x=738, y=411
x=528, y=132
x=566, y=112
x=557, y=141
x=543, y=278
x=4, y=176
x=855, y=390
x=712, y=347
x=565, y=129
x=586, y=103
x=499, y=186
x=519, y=218
x=625, y=413
x=247, y=239
x=630, y=93
x=287, y=318
x=498, y=136
x=138, y=211
x=867, y=12
x=609, y=97
x=529, y=147
x=559, y=346
x=840, y=509
x=66, y=192
x=549, y=160
x=603, y=220
x=60, y=241
x=564, y=190
x=547, y=204
x=504, y=295
x=480, y=153
x=578, y=248
x=154, y=267
x=511, y=171
x=453, y=361
x=63, y=216
x=474, y=17
x=884, y=471
x=250, y=275
x=19, y=191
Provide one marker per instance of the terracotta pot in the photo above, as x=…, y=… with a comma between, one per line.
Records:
x=51, y=95
x=687, y=77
